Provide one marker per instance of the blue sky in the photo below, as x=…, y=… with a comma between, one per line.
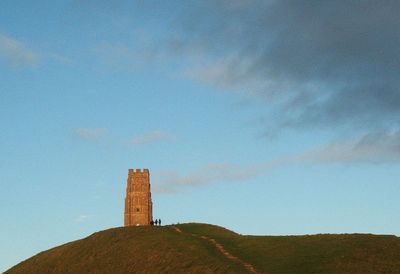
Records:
x=264, y=117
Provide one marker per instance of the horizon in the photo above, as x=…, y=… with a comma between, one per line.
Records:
x=264, y=117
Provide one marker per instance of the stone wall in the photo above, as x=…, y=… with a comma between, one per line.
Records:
x=138, y=204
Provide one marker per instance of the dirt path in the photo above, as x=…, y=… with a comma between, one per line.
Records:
x=177, y=229
x=250, y=268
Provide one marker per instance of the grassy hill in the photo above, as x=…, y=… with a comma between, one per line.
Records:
x=196, y=248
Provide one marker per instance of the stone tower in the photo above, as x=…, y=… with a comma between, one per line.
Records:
x=138, y=204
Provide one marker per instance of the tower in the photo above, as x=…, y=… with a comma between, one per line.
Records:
x=138, y=204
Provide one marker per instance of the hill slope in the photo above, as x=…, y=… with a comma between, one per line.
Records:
x=201, y=248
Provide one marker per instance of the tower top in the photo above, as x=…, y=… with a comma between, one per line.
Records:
x=138, y=170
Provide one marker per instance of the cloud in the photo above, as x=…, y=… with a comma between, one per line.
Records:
x=320, y=64
x=316, y=65
x=226, y=75
x=82, y=218
x=118, y=55
x=372, y=148
x=90, y=134
x=171, y=181
x=60, y=59
x=378, y=148
x=16, y=53
x=151, y=137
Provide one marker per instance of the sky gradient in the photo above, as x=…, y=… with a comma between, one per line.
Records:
x=265, y=117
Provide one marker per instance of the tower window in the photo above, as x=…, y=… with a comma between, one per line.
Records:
x=137, y=209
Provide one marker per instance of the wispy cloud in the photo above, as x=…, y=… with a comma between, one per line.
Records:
x=90, y=134
x=171, y=181
x=60, y=58
x=226, y=73
x=151, y=137
x=376, y=148
x=82, y=218
x=118, y=55
x=16, y=53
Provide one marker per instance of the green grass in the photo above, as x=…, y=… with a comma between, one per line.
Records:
x=163, y=250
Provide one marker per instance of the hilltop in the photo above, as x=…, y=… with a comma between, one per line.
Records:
x=203, y=248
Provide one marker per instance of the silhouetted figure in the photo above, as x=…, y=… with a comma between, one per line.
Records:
x=151, y=222
x=156, y=222
x=159, y=221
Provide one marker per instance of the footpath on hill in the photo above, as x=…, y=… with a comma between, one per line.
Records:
x=249, y=267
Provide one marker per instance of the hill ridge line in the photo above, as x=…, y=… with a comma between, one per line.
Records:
x=249, y=267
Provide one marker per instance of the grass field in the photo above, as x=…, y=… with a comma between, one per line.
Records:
x=164, y=250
